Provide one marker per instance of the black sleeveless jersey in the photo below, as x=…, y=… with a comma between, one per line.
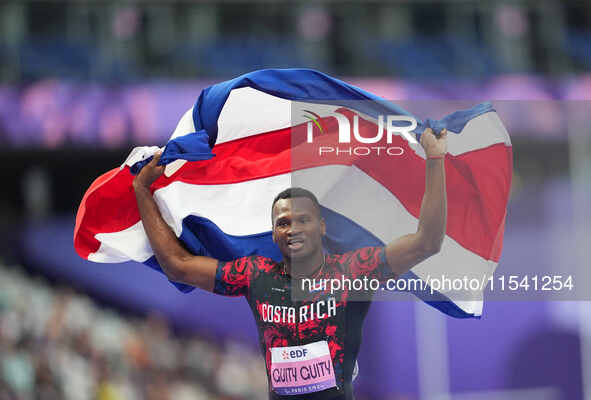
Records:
x=293, y=328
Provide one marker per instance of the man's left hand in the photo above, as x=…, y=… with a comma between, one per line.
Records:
x=434, y=146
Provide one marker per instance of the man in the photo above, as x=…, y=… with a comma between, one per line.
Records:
x=310, y=345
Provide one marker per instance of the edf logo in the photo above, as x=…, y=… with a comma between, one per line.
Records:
x=299, y=353
x=392, y=128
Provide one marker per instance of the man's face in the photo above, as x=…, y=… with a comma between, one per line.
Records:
x=297, y=227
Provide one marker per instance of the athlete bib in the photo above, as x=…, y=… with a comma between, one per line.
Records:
x=301, y=369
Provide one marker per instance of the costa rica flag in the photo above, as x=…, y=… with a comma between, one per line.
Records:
x=249, y=138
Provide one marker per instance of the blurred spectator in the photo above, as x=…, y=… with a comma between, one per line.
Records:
x=58, y=344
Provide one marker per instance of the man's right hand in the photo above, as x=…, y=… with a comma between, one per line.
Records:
x=150, y=172
x=178, y=264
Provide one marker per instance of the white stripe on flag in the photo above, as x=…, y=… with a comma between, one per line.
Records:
x=249, y=112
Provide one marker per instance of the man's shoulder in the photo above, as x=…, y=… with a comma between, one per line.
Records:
x=253, y=262
x=363, y=252
x=266, y=264
x=362, y=255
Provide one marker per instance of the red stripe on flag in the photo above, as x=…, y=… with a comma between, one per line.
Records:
x=107, y=206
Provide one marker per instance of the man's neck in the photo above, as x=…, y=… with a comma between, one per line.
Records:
x=304, y=267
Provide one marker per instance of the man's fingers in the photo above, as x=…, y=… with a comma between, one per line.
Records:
x=441, y=134
x=426, y=132
x=156, y=158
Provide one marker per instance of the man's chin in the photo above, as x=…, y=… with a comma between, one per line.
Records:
x=297, y=255
x=300, y=254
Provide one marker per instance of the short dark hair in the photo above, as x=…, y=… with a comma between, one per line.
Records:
x=292, y=192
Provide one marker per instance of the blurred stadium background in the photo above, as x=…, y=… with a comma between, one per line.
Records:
x=81, y=82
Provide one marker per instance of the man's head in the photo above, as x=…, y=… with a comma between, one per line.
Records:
x=298, y=226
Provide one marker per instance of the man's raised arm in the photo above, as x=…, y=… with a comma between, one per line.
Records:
x=407, y=251
x=178, y=264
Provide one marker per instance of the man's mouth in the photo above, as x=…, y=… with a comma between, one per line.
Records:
x=295, y=244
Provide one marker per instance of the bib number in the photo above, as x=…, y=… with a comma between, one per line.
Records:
x=302, y=369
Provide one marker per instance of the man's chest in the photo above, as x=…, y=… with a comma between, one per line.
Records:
x=276, y=301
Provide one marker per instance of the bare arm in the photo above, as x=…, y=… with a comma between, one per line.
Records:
x=407, y=251
x=178, y=264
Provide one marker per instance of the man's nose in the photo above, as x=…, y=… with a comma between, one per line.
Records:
x=294, y=228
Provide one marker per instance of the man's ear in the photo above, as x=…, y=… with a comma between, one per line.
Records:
x=322, y=226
